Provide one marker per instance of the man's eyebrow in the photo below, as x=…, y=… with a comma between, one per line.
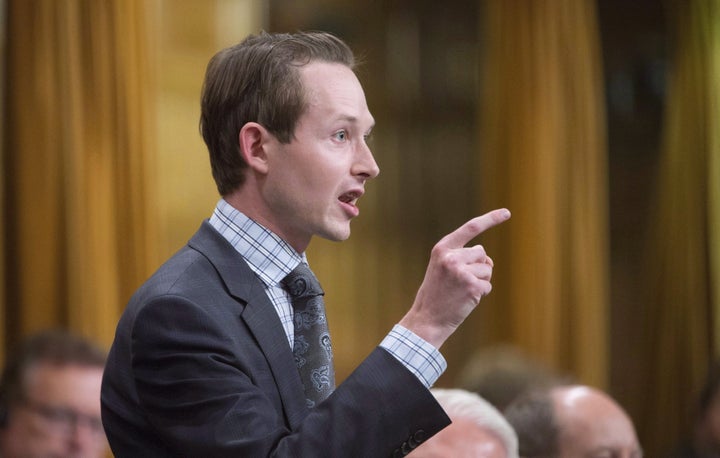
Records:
x=353, y=119
x=349, y=118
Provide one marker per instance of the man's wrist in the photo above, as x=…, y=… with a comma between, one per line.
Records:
x=431, y=333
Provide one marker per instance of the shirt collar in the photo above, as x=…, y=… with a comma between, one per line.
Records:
x=269, y=256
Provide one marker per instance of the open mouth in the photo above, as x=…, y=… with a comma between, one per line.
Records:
x=350, y=197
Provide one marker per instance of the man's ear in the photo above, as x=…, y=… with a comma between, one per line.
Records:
x=253, y=139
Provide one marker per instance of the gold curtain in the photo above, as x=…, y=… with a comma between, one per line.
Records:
x=682, y=275
x=543, y=153
x=3, y=215
x=712, y=26
x=76, y=209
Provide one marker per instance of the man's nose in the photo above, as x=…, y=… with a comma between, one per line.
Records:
x=365, y=164
x=87, y=437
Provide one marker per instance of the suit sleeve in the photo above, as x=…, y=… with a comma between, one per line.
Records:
x=199, y=389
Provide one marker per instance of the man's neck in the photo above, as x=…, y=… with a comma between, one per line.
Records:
x=254, y=208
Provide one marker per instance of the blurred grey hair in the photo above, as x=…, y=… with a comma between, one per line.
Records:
x=459, y=403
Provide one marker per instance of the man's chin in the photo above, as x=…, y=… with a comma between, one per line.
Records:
x=336, y=234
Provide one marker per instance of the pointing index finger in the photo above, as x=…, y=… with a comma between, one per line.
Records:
x=476, y=226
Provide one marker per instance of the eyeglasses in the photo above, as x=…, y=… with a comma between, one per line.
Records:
x=64, y=420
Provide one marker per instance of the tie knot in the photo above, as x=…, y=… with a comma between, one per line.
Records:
x=301, y=282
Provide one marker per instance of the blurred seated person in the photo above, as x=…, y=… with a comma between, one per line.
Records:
x=500, y=373
x=572, y=421
x=50, y=398
x=705, y=440
x=478, y=430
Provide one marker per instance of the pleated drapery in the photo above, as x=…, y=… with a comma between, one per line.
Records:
x=78, y=129
x=682, y=263
x=543, y=155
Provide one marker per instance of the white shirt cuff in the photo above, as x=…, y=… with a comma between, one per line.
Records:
x=420, y=357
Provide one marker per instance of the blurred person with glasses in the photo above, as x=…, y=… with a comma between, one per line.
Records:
x=50, y=398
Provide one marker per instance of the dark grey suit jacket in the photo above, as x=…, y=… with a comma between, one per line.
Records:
x=201, y=367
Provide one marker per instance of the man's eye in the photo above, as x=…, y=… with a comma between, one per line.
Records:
x=341, y=135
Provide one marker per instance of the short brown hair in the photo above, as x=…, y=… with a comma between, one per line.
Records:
x=532, y=416
x=258, y=80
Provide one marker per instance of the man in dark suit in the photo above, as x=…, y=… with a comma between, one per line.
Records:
x=203, y=360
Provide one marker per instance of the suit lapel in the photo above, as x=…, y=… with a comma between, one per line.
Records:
x=261, y=318
x=259, y=315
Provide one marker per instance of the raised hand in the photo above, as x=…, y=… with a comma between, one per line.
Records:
x=457, y=277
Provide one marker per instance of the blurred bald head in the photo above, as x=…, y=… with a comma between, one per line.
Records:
x=572, y=421
x=590, y=423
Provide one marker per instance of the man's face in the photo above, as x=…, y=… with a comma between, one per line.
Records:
x=60, y=418
x=313, y=183
x=462, y=439
x=592, y=425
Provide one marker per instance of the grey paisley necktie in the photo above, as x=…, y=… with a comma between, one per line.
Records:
x=312, y=349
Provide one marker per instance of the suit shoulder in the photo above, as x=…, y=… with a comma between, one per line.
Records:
x=185, y=271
